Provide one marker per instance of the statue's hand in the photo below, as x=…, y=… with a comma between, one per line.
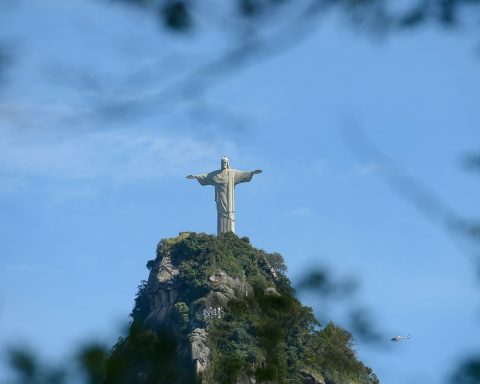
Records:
x=190, y=177
x=257, y=171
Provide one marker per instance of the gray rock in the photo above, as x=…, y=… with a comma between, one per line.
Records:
x=224, y=288
x=162, y=289
x=310, y=378
x=166, y=271
x=200, y=351
x=271, y=291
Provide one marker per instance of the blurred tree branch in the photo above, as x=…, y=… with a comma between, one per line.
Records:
x=464, y=231
x=29, y=370
x=252, y=31
x=327, y=290
x=471, y=161
x=378, y=15
x=468, y=372
x=261, y=29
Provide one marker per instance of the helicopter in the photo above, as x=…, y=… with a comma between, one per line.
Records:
x=396, y=339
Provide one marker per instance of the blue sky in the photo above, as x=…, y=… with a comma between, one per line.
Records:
x=84, y=199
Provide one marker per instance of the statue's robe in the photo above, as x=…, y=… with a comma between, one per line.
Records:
x=224, y=182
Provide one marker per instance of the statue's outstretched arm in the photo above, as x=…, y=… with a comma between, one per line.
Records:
x=245, y=176
x=202, y=179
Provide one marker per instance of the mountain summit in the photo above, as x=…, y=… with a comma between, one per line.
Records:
x=217, y=310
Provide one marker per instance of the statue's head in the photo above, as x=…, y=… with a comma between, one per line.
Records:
x=225, y=163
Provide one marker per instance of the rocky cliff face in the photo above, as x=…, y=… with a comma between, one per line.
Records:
x=216, y=310
x=163, y=290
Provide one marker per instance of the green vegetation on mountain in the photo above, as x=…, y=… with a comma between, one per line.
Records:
x=262, y=331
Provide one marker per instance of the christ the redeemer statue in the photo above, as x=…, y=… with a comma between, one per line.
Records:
x=224, y=181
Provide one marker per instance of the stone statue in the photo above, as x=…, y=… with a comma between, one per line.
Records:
x=224, y=181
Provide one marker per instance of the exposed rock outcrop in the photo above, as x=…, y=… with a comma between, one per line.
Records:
x=200, y=351
x=310, y=378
